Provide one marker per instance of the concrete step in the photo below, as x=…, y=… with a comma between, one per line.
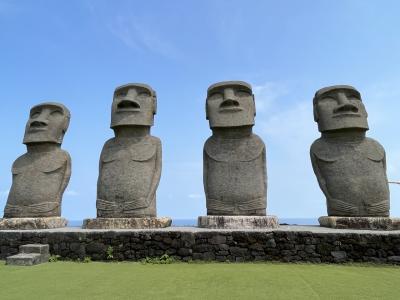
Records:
x=34, y=248
x=24, y=259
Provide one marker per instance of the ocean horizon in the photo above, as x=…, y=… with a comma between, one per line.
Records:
x=193, y=222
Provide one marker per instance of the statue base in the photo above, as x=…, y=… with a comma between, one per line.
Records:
x=32, y=223
x=127, y=223
x=368, y=223
x=237, y=222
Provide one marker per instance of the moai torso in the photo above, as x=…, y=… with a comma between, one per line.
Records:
x=41, y=175
x=130, y=163
x=353, y=177
x=235, y=178
x=129, y=174
x=234, y=160
x=39, y=179
x=350, y=168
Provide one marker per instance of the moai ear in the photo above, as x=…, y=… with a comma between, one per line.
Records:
x=316, y=117
x=206, y=110
x=154, y=103
x=254, y=102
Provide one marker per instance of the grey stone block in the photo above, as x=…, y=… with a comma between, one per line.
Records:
x=370, y=223
x=32, y=223
x=238, y=222
x=34, y=248
x=24, y=259
x=127, y=223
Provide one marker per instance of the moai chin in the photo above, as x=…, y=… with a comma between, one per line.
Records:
x=130, y=163
x=41, y=175
x=350, y=167
x=234, y=172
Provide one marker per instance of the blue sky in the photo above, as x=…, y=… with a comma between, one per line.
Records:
x=77, y=52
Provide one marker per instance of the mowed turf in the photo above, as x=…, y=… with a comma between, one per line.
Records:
x=96, y=280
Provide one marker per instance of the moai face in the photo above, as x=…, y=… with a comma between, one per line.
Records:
x=230, y=104
x=48, y=122
x=133, y=104
x=339, y=107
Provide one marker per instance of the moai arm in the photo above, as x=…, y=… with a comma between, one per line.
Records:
x=67, y=174
x=264, y=158
x=205, y=172
x=321, y=180
x=156, y=175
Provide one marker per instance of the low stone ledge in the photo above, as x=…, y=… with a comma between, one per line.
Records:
x=32, y=223
x=368, y=223
x=238, y=222
x=286, y=244
x=127, y=223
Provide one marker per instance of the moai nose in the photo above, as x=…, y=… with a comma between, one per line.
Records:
x=229, y=94
x=345, y=105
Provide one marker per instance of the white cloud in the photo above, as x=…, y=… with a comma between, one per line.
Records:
x=141, y=36
x=267, y=94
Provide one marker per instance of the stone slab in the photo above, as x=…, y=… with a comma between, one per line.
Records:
x=34, y=248
x=237, y=222
x=24, y=259
x=366, y=223
x=127, y=223
x=32, y=223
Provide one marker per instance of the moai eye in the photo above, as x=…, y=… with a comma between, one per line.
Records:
x=243, y=93
x=35, y=114
x=56, y=113
x=215, y=96
x=144, y=94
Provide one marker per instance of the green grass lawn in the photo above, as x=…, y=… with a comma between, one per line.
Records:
x=96, y=280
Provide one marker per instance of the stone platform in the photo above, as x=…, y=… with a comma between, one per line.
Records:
x=368, y=223
x=238, y=222
x=127, y=223
x=287, y=244
x=32, y=223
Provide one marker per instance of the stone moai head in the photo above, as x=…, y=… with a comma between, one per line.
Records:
x=339, y=107
x=230, y=104
x=48, y=122
x=133, y=104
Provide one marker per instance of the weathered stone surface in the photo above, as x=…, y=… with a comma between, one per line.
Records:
x=372, y=223
x=350, y=168
x=41, y=175
x=286, y=243
x=234, y=159
x=127, y=223
x=130, y=163
x=30, y=254
x=32, y=223
x=24, y=259
x=238, y=222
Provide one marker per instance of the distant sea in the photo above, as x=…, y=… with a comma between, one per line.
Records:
x=193, y=222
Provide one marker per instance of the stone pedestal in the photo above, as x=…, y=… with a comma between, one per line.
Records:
x=32, y=223
x=127, y=223
x=238, y=222
x=369, y=223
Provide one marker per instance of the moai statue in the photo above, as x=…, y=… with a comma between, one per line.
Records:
x=234, y=160
x=41, y=175
x=130, y=163
x=350, y=167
